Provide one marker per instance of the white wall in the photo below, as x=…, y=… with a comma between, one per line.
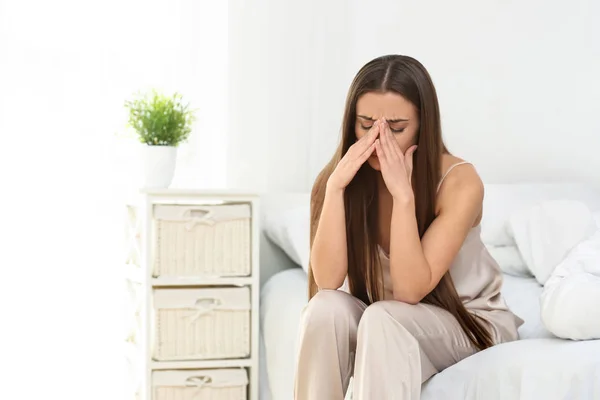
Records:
x=518, y=83
x=66, y=68
x=277, y=54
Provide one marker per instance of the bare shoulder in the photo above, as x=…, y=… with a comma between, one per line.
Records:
x=461, y=188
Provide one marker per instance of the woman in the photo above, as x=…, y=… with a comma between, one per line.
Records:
x=395, y=222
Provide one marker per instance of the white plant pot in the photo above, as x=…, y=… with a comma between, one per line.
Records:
x=159, y=166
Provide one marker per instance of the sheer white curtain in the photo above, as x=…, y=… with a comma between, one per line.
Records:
x=66, y=68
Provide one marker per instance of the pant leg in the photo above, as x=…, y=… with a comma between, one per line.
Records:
x=327, y=344
x=402, y=345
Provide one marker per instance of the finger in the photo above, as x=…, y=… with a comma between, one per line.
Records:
x=379, y=150
x=410, y=151
x=394, y=144
x=408, y=160
x=365, y=156
x=360, y=155
x=373, y=133
x=367, y=140
x=382, y=136
x=387, y=139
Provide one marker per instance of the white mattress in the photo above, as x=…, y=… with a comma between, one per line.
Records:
x=537, y=367
x=282, y=299
x=530, y=369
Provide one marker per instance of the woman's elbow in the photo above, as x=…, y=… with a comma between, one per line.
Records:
x=327, y=282
x=409, y=298
x=326, y=275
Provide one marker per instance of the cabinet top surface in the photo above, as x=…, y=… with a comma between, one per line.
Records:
x=177, y=192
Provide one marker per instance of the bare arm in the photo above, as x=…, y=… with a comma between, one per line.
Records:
x=417, y=265
x=329, y=251
x=328, y=256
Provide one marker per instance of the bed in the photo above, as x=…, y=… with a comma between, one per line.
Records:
x=539, y=366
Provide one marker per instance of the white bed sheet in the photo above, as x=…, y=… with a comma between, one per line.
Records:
x=538, y=367
x=523, y=298
x=529, y=369
x=281, y=302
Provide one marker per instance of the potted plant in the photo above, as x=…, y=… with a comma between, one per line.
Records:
x=161, y=123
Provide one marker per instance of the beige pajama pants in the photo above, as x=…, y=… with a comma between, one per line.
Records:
x=389, y=347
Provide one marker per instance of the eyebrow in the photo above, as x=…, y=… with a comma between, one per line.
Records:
x=388, y=120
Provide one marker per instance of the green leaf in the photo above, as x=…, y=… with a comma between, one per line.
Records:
x=160, y=120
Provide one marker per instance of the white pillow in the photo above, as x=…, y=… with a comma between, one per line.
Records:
x=290, y=230
x=509, y=259
x=546, y=232
x=502, y=200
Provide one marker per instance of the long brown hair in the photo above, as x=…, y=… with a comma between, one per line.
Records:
x=407, y=77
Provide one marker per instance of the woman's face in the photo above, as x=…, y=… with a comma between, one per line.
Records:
x=400, y=114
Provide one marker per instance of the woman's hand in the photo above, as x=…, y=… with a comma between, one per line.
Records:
x=354, y=158
x=396, y=167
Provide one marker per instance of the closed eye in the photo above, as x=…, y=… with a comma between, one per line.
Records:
x=400, y=130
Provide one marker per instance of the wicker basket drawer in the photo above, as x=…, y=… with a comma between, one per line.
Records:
x=200, y=324
x=208, y=384
x=202, y=241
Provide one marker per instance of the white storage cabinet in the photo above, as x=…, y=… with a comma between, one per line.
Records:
x=199, y=283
